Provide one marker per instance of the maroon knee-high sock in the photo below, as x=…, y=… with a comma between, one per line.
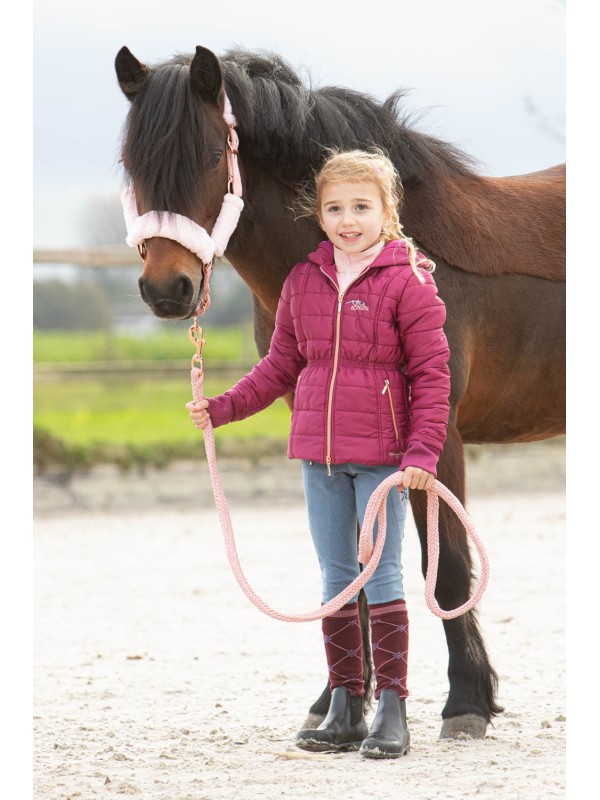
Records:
x=389, y=637
x=343, y=649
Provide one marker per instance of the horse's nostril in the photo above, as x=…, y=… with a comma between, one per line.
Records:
x=142, y=288
x=185, y=289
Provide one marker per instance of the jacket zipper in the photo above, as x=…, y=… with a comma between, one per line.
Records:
x=332, y=382
x=336, y=353
x=387, y=389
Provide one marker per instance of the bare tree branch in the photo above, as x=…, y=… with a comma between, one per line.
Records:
x=555, y=130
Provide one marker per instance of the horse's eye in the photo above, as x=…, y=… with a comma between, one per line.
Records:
x=215, y=158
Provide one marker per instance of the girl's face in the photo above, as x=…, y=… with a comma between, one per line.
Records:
x=351, y=214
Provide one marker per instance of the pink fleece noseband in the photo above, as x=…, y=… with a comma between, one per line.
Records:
x=183, y=229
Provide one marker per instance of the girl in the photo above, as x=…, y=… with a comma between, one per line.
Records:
x=358, y=338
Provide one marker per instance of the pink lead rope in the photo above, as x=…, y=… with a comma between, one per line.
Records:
x=369, y=553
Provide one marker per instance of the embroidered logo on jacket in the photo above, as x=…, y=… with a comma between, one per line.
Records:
x=357, y=305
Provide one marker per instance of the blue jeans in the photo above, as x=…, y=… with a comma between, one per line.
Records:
x=335, y=503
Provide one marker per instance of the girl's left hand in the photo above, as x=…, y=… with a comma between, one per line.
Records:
x=417, y=478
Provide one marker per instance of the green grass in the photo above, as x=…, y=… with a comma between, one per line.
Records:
x=78, y=423
x=143, y=413
x=81, y=423
x=223, y=344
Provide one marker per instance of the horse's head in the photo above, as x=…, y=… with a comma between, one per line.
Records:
x=175, y=154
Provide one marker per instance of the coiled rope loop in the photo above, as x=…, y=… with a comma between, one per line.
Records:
x=369, y=552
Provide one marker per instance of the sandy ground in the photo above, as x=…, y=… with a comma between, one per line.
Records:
x=155, y=677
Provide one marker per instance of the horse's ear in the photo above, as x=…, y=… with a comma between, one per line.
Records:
x=206, y=77
x=131, y=73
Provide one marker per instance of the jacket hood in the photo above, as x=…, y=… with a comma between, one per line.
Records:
x=395, y=253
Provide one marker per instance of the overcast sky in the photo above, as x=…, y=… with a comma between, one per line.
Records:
x=475, y=68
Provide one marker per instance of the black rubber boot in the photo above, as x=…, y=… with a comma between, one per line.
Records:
x=389, y=737
x=343, y=728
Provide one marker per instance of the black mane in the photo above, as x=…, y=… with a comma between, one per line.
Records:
x=283, y=123
x=287, y=125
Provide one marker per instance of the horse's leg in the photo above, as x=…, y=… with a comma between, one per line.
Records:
x=473, y=682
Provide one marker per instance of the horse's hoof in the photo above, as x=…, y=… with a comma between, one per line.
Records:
x=313, y=721
x=466, y=726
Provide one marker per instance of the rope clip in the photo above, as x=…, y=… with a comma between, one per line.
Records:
x=196, y=338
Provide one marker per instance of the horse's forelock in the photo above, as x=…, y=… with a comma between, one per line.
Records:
x=166, y=138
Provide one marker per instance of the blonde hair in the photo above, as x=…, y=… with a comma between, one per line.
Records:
x=365, y=166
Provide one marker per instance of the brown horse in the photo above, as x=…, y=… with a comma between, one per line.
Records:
x=498, y=244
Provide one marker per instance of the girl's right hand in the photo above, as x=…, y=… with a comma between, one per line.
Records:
x=198, y=412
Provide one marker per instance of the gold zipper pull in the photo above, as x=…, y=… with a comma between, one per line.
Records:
x=328, y=462
x=340, y=298
x=387, y=389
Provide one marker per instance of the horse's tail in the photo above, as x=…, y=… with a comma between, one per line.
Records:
x=365, y=627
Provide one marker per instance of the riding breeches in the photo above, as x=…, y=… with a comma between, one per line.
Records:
x=335, y=504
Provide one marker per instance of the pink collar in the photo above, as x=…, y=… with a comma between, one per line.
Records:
x=355, y=262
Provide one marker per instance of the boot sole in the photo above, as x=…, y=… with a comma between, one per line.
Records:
x=316, y=746
x=377, y=752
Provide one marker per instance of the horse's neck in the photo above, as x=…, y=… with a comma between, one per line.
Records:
x=269, y=240
x=488, y=226
x=491, y=226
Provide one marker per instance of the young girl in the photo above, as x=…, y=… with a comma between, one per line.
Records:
x=358, y=338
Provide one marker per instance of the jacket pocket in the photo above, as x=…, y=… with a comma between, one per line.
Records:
x=387, y=390
x=294, y=419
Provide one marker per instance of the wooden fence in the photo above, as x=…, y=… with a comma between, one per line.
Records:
x=89, y=257
x=125, y=257
x=96, y=257
x=133, y=370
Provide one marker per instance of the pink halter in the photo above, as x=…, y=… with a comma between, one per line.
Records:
x=183, y=229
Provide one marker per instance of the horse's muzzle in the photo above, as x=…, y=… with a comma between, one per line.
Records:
x=173, y=299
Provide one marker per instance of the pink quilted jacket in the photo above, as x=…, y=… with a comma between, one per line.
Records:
x=368, y=366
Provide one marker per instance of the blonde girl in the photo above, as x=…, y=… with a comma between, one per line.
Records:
x=359, y=340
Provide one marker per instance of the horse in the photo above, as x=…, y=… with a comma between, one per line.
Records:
x=498, y=243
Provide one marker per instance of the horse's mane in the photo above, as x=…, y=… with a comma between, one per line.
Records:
x=287, y=124
x=449, y=208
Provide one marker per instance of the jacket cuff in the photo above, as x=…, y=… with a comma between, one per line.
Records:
x=220, y=409
x=422, y=456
